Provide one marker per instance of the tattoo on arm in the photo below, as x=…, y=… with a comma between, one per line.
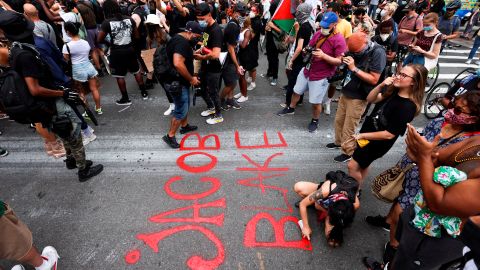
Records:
x=317, y=195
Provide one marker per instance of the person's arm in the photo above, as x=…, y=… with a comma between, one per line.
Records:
x=233, y=56
x=246, y=39
x=375, y=95
x=66, y=56
x=335, y=61
x=39, y=91
x=298, y=50
x=274, y=27
x=49, y=13
x=307, y=201
x=431, y=55
x=161, y=6
x=179, y=64
x=459, y=200
x=371, y=77
x=375, y=136
x=135, y=31
x=183, y=11
x=101, y=36
x=5, y=5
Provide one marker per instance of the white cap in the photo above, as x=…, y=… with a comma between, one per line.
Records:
x=153, y=19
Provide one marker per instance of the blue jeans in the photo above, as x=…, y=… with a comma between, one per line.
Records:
x=414, y=59
x=372, y=10
x=476, y=45
x=182, y=103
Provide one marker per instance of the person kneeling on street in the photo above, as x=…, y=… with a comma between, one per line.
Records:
x=336, y=199
x=50, y=104
x=180, y=54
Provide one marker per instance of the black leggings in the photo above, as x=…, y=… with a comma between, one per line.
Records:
x=292, y=80
x=272, y=57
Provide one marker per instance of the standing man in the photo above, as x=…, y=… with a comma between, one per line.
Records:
x=232, y=69
x=180, y=53
x=211, y=68
x=52, y=103
x=328, y=49
x=365, y=65
x=123, y=57
x=409, y=26
x=42, y=29
x=449, y=24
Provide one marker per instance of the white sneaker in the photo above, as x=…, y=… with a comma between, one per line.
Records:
x=51, y=255
x=326, y=108
x=273, y=82
x=208, y=112
x=214, y=120
x=242, y=99
x=18, y=267
x=237, y=95
x=251, y=86
x=88, y=136
x=468, y=62
x=170, y=109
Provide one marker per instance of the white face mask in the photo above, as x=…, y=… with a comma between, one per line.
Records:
x=383, y=13
x=325, y=31
x=252, y=14
x=384, y=36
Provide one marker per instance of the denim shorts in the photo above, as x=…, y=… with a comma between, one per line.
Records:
x=83, y=72
x=182, y=103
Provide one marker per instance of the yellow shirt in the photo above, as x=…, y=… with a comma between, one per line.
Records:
x=344, y=28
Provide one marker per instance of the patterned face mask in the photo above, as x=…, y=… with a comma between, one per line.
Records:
x=459, y=119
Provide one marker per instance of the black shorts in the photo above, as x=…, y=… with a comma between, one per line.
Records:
x=123, y=60
x=229, y=75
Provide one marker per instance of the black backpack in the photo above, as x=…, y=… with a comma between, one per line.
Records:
x=163, y=68
x=15, y=98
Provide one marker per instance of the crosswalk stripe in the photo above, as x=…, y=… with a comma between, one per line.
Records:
x=456, y=57
x=456, y=51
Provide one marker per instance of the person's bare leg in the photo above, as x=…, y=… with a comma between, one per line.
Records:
x=355, y=171
x=316, y=110
x=184, y=122
x=253, y=74
x=303, y=188
x=93, y=84
x=174, y=125
x=294, y=101
x=96, y=59
x=46, y=135
x=32, y=257
x=122, y=86
x=243, y=85
x=139, y=79
x=392, y=219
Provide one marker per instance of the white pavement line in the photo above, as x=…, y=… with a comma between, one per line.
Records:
x=457, y=65
x=448, y=76
x=124, y=109
x=455, y=51
x=262, y=264
x=464, y=58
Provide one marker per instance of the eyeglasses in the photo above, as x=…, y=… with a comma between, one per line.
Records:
x=402, y=75
x=456, y=109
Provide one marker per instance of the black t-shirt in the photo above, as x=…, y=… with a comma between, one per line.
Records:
x=257, y=30
x=230, y=37
x=390, y=45
x=121, y=31
x=214, y=37
x=398, y=112
x=374, y=60
x=177, y=21
x=179, y=44
x=305, y=33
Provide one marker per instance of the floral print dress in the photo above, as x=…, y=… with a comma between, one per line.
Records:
x=411, y=185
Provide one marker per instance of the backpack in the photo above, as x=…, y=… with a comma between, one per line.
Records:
x=98, y=10
x=15, y=98
x=162, y=67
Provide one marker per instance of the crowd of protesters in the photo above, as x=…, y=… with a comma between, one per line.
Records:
x=58, y=50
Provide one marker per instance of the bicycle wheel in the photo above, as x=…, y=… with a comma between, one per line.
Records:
x=464, y=73
x=432, y=77
x=433, y=107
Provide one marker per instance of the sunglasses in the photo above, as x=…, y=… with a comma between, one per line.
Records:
x=456, y=109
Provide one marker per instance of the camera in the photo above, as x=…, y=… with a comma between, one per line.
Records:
x=307, y=54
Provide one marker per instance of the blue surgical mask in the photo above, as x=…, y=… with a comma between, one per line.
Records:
x=217, y=5
x=428, y=28
x=203, y=23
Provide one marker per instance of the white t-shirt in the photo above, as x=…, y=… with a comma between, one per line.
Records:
x=79, y=51
x=68, y=17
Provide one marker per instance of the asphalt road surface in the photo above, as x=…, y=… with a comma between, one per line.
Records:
x=231, y=206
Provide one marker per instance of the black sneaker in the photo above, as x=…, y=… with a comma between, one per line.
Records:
x=342, y=158
x=3, y=152
x=124, y=101
x=144, y=94
x=286, y=111
x=71, y=164
x=224, y=105
x=187, y=128
x=89, y=172
x=312, y=127
x=233, y=104
x=372, y=264
x=378, y=221
x=389, y=253
x=171, y=141
x=333, y=146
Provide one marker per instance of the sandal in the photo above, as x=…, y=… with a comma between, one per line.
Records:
x=372, y=264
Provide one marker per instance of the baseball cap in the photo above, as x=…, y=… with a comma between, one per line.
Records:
x=153, y=19
x=193, y=27
x=202, y=9
x=241, y=8
x=410, y=6
x=15, y=25
x=328, y=18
